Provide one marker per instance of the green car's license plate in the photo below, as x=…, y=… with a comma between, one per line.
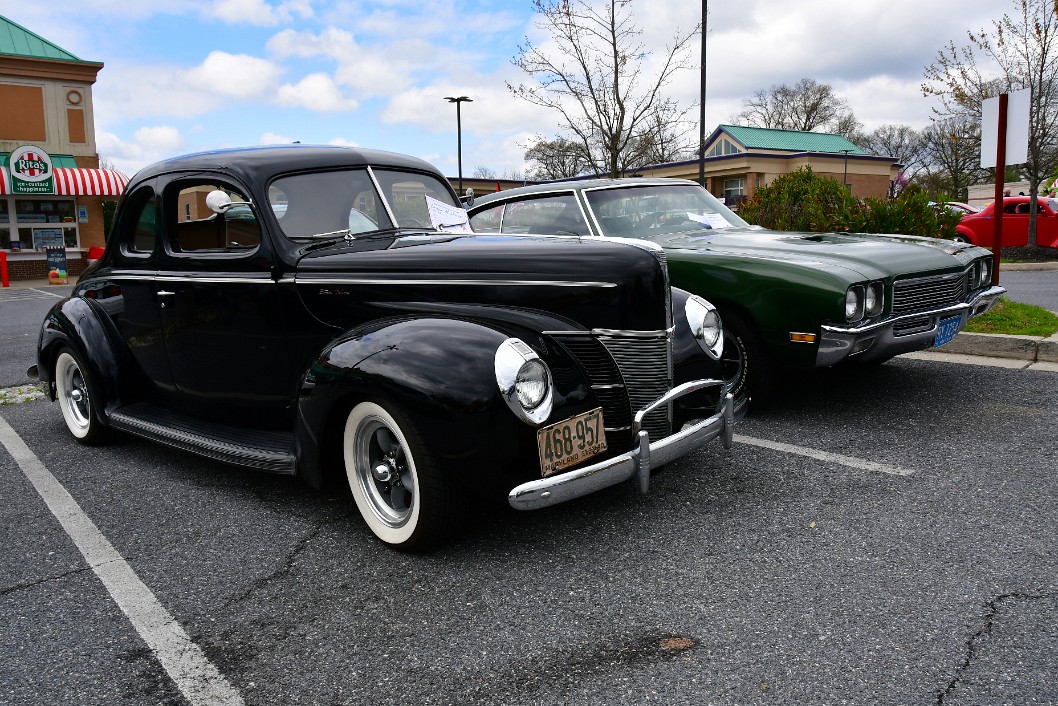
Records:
x=946, y=330
x=570, y=441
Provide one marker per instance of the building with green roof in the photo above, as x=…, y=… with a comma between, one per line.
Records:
x=739, y=159
x=51, y=187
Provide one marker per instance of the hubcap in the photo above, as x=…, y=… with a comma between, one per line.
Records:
x=383, y=472
x=75, y=395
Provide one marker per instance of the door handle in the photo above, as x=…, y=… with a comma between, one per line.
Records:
x=164, y=293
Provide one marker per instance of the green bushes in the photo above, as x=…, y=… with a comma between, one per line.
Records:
x=803, y=201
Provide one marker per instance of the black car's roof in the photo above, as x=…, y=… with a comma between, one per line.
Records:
x=258, y=161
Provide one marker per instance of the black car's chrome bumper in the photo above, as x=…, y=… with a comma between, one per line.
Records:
x=901, y=334
x=637, y=462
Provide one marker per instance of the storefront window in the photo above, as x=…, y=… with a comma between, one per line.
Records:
x=33, y=224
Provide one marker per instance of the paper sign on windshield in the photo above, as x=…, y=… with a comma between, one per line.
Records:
x=713, y=220
x=447, y=219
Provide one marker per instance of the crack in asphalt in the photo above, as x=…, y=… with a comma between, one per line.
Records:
x=46, y=579
x=288, y=563
x=971, y=643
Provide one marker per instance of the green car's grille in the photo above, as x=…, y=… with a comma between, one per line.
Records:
x=926, y=293
x=626, y=374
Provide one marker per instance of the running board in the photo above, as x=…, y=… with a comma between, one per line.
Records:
x=271, y=451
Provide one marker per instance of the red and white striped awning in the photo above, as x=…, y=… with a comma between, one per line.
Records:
x=77, y=181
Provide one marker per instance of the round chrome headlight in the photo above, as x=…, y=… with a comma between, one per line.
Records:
x=524, y=381
x=705, y=324
x=854, y=304
x=532, y=383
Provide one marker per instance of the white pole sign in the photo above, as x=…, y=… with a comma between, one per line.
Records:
x=1017, y=129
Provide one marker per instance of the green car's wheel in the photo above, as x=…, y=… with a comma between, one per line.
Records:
x=745, y=365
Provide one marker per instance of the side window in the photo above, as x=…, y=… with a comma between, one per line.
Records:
x=194, y=228
x=550, y=215
x=138, y=228
x=487, y=221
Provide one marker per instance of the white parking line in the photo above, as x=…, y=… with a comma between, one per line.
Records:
x=182, y=659
x=850, y=461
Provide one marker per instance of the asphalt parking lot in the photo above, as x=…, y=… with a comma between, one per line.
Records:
x=880, y=536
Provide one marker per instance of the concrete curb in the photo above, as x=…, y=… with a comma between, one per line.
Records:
x=997, y=345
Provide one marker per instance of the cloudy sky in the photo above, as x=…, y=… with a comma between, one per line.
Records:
x=187, y=75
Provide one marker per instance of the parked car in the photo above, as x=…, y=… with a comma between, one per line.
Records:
x=787, y=299
x=978, y=228
x=962, y=207
x=295, y=310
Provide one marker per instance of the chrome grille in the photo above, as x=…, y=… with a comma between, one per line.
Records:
x=626, y=374
x=929, y=292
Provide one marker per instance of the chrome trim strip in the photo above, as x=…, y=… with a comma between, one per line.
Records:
x=617, y=333
x=484, y=282
x=242, y=279
x=382, y=197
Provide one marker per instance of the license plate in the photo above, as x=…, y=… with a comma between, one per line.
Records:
x=570, y=441
x=946, y=330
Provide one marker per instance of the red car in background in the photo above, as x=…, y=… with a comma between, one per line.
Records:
x=977, y=228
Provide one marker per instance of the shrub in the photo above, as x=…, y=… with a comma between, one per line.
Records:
x=804, y=201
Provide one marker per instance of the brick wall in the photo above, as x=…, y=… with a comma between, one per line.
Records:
x=38, y=269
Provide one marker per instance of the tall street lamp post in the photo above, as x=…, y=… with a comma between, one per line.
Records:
x=459, y=134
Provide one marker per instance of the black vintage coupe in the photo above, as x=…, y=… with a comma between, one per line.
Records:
x=302, y=310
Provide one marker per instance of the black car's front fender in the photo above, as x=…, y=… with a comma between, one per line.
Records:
x=439, y=372
x=75, y=323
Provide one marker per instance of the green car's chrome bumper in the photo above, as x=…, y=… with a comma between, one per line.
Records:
x=901, y=334
x=636, y=462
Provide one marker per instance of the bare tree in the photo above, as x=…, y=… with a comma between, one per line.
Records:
x=808, y=106
x=1024, y=48
x=596, y=75
x=901, y=142
x=556, y=159
x=952, y=148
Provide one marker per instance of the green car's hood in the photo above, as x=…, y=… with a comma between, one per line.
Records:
x=869, y=256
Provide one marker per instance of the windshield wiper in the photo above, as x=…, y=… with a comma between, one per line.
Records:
x=344, y=233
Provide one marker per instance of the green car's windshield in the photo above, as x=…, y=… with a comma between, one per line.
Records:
x=643, y=211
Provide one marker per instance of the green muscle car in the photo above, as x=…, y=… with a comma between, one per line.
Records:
x=787, y=299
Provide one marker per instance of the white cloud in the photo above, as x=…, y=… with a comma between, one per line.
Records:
x=271, y=138
x=234, y=75
x=316, y=92
x=342, y=142
x=254, y=12
x=148, y=144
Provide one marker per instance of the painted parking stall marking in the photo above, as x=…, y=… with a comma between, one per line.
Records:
x=850, y=461
x=185, y=663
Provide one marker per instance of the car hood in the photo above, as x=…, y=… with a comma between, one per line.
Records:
x=548, y=283
x=867, y=255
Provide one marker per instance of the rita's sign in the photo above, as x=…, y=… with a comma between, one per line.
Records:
x=31, y=171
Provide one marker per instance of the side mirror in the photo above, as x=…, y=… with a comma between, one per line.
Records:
x=469, y=198
x=218, y=201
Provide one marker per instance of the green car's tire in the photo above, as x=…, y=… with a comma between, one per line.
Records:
x=745, y=364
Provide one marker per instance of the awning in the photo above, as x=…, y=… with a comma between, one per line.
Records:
x=70, y=181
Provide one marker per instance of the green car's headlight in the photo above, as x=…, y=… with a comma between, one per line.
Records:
x=854, y=303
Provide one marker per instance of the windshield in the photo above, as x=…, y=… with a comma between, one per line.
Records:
x=335, y=203
x=643, y=211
